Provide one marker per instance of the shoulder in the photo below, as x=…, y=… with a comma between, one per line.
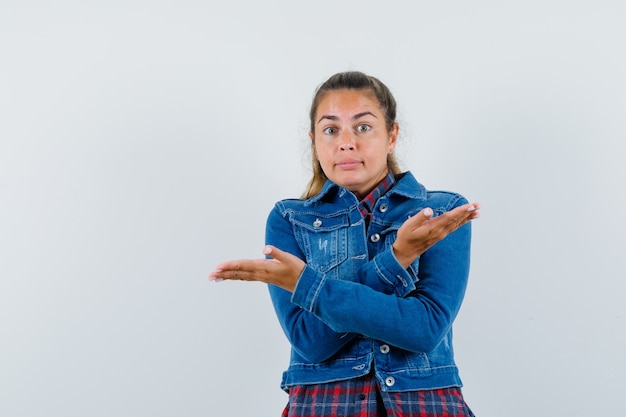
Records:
x=331, y=201
x=291, y=208
x=290, y=205
x=442, y=200
x=446, y=200
x=408, y=186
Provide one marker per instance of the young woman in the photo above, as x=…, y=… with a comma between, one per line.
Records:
x=367, y=271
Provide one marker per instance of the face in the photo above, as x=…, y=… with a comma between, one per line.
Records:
x=351, y=140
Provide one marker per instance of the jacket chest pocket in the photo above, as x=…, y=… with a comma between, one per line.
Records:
x=323, y=239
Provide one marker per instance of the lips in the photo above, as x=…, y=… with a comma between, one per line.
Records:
x=348, y=164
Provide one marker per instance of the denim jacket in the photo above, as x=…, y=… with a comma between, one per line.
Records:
x=355, y=309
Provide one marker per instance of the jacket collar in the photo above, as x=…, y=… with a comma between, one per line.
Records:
x=406, y=186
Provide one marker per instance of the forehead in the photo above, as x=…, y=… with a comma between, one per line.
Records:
x=348, y=100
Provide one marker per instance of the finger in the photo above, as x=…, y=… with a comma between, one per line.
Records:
x=474, y=210
x=445, y=223
x=456, y=218
x=213, y=277
x=243, y=270
x=237, y=275
x=465, y=208
x=463, y=211
x=243, y=265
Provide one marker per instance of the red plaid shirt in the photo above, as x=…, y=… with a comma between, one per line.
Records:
x=362, y=397
x=366, y=206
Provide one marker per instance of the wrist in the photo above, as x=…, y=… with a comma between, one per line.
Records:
x=402, y=257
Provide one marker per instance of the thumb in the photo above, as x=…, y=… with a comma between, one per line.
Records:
x=420, y=218
x=272, y=252
x=427, y=212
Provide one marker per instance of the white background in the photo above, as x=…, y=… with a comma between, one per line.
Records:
x=142, y=143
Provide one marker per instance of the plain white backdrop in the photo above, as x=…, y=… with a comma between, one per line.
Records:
x=142, y=143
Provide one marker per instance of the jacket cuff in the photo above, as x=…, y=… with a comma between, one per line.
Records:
x=392, y=273
x=307, y=288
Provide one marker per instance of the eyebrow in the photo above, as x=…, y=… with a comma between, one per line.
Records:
x=355, y=117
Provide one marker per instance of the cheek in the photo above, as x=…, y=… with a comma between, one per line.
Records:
x=322, y=152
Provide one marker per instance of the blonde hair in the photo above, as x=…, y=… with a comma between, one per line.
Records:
x=353, y=80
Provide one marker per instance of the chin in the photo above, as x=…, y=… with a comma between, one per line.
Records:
x=350, y=185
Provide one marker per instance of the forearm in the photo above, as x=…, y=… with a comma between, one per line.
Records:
x=386, y=275
x=307, y=334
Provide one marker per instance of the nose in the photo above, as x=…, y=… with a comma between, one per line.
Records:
x=346, y=141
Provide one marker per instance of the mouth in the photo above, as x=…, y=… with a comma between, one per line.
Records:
x=348, y=164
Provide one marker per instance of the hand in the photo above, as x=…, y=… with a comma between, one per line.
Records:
x=283, y=270
x=420, y=232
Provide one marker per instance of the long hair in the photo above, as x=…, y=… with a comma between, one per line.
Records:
x=353, y=80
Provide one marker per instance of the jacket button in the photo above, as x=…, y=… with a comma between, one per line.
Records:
x=375, y=237
x=389, y=381
x=383, y=207
x=317, y=223
x=384, y=348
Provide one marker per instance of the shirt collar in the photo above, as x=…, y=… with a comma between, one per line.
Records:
x=406, y=186
x=366, y=205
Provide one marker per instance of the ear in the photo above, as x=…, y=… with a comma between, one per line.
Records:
x=393, y=136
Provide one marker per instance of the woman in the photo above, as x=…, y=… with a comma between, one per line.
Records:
x=367, y=271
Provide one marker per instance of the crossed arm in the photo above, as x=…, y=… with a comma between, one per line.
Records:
x=317, y=330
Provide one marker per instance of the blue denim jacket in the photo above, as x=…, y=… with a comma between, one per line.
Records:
x=355, y=309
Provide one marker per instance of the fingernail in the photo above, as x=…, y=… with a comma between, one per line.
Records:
x=428, y=212
x=267, y=250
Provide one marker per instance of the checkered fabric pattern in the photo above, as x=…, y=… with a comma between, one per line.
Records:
x=361, y=397
x=366, y=205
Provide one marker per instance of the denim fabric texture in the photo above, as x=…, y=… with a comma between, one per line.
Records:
x=355, y=309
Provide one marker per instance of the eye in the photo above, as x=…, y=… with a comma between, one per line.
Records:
x=330, y=130
x=363, y=128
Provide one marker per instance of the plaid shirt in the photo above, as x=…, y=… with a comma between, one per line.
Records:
x=366, y=206
x=361, y=397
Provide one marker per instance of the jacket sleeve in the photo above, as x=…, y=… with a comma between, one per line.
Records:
x=417, y=322
x=385, y=274
x=311, y=338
